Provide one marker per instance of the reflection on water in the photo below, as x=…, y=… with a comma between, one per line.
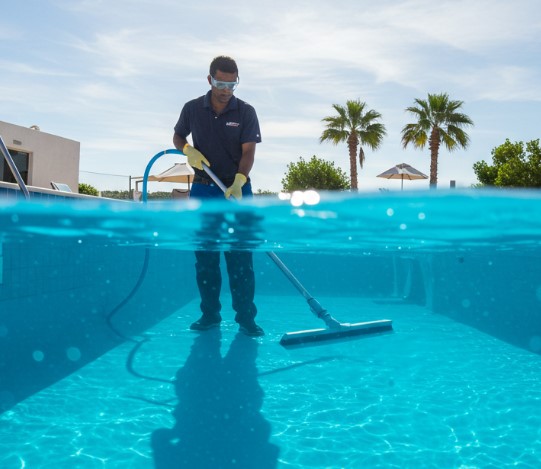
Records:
x=218, y=418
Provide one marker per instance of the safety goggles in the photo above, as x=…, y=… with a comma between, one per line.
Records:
x=223, y=85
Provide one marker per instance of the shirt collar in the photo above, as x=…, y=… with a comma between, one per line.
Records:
x=232, y=104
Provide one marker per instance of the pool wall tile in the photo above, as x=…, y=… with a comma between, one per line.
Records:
x=58, y=294
x=497, y=292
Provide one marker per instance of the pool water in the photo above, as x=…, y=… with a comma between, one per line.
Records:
x=456, y=384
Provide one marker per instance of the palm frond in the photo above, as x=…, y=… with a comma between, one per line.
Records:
x=357, y=127
x=414, y=134
x=333, y=135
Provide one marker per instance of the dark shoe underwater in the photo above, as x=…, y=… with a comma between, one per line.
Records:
x=250, y=328
x=206, y=322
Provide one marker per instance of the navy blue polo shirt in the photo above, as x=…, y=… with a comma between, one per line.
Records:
x=219, y=137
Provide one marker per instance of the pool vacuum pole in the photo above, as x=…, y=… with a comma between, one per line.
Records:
x=336, y=329
x=316, y=308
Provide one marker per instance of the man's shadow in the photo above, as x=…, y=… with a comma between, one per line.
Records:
x=218, y=416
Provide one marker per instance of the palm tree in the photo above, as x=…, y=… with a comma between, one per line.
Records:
x=437, y=117
x=356, y=127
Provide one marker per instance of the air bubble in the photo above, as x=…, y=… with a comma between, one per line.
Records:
x=390, y=212
x=73, y=353
x=38, y=355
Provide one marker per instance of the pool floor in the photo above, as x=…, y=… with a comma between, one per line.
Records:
x=434, y=393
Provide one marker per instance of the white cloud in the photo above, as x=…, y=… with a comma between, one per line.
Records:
x=118, y=73
x=30, y=70
x=465, y=24
x=290, y=129
x=508, y=83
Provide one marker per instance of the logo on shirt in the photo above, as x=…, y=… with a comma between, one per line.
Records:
x=232, y=124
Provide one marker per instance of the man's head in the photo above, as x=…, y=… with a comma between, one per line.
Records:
x=224, y=64
x=223, y=78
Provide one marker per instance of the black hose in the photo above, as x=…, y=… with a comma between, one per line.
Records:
x=138, y=343
x=134, y=290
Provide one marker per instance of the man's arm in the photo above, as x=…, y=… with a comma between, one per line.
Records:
x=245, y=166
x=247, y=159
x=178, y=141
x=195, y=157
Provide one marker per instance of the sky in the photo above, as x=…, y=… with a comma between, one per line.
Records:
x=115, y=74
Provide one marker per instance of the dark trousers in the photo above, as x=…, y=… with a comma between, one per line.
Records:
x=241, y=282
x=239, y=263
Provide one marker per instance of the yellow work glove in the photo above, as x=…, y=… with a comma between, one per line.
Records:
x=195, y=157
x=235, y=189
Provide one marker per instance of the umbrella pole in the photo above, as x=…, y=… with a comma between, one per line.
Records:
x=402, y=188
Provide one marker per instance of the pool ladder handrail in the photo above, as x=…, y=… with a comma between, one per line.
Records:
x=14, y=168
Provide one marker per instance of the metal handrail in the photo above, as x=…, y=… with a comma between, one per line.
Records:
x=14, y=168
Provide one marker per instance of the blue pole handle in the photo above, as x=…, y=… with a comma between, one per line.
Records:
x=170, y=151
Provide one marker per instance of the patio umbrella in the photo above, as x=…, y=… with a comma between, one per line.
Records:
x=403, y=171
x=179, y=172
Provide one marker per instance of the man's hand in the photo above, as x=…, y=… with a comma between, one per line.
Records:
x=235, y=189
x=195, y=157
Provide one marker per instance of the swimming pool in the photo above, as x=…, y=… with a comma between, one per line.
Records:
x=455, y=385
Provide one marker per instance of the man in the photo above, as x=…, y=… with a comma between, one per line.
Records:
x=224, y=131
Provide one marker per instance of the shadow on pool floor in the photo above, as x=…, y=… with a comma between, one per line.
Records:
x=433, y=393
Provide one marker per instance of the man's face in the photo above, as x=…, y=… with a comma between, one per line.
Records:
x=222, y=95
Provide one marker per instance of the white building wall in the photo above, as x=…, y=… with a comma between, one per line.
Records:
x=52, y=158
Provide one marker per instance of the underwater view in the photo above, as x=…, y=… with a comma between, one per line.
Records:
x=98, y=366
